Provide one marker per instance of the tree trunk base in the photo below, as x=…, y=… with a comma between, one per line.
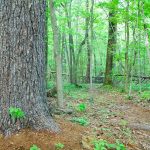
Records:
x=37, y=123
x=36, y=117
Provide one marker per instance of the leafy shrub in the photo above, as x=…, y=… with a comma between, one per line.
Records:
x=34, y=147
x=16, y=113
x=59, y=146
x=81, y=107
x=81, y=121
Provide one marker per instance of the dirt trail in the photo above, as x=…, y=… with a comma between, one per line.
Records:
x=110, y=117
x=133, y=120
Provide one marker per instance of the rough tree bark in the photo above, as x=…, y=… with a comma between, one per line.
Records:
x=23, y=65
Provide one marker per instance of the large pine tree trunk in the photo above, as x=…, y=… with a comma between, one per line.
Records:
x=22, y=65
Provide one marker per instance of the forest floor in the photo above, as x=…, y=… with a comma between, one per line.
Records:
x=108, y=116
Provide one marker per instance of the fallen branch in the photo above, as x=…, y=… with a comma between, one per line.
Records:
x=143, y=77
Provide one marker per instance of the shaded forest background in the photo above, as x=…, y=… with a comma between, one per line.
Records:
x=101, y=42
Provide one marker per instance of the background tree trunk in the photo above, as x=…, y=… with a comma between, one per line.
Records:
x=127, y=36
x=88, y=45
x=57, y=53
x=23, y=65
x=111, y=46
x=71, y=44
x=92, y=45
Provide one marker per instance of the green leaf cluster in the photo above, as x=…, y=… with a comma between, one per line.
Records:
x=34, y=147
x=80, y=120
x=59, y=146
x=16, y=113
x=104, y=145
x=58, y=3
x=81, y=107
x=145, y=95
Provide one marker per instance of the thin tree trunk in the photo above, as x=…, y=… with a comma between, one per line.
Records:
x=91, y=49
x=23, y=65
x=132, y=65
x=63, y=53
x=127, y=49
x=71, y=45
x=139, y=41
x=57, y=53
x=88, y=45
x=83, y=42
x=92, y=46
x=67, y=58
x=95, y=63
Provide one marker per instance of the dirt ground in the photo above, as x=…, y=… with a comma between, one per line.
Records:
x=70, y=137
x=111, y=116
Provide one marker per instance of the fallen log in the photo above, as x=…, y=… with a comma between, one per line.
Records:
x=134, y=76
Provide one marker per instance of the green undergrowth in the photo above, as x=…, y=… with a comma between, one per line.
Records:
x=50, y=84
x=80, y=120
x=34, y=147
x=145, y=96
x=105, y=145
x=134, y=87
x=144, y=87
x=81, y=107
x=76, y=92
x=59, y=146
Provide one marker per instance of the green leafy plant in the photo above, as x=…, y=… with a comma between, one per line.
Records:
x=121, y=90
x=81, y=121
x=104, y=145
x=16, y=113
x=108, y=87
x=129, y=97
x=119, y=146
x=81, y=107
x=100, y=145
x=124, y=128
x=145, y=95
x=123, y=123
x=34, y=147
x=59, y=146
